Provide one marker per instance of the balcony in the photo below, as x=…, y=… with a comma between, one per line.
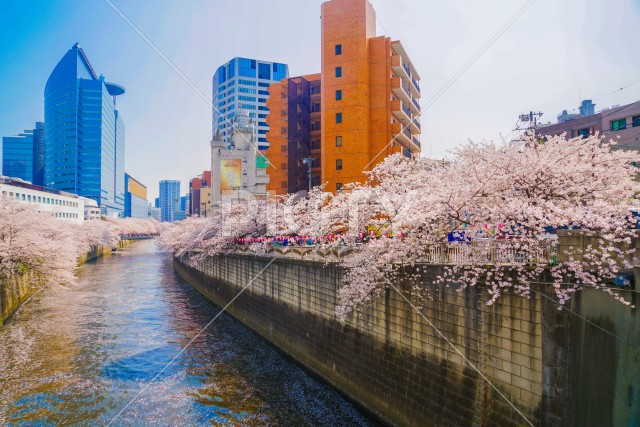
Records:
x=415, y=106
x=402, y=66
x=414, y=125
x=400, y=111
x=401, y=134
x=401, y=89
x=416, y=142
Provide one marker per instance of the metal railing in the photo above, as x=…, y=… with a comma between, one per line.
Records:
x=503, y=253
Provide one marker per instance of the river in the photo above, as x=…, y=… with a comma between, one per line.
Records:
x=78, y=355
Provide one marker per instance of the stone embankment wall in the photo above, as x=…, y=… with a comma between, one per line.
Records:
x=557, y=368
x=15, y=290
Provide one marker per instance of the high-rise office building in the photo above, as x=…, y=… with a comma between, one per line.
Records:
x=169, y=199
x=135, y=198
x=84, y=133
x=242, y=85
x=23, y=155
x=369, y=104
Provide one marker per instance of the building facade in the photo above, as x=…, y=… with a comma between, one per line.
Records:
x=23, y=155
x=84, y=134
x=63, y=206
x=368, y=104
x=236, y=172
x=295, y=134
x=199, y=205
x=135, y=198
x=620, y=123
x=242, y=85
x=169, y=199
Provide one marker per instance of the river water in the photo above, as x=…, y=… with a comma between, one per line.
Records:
x=79, y=355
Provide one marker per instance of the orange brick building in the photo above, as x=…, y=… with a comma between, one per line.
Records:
x=369, y=103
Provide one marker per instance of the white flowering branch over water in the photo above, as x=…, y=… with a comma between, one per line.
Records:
x=36, y=241
x=498, y=203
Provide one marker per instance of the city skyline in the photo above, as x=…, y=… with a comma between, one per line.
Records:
x=168, y=116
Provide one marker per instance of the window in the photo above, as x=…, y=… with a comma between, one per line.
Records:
x=338, y=117
x=246, y=67
x=283, y=148
x=264, y=71
x=583, y=132
x=338, y=71
x=338, y=187
x=338, y=141
x=635, y=121
x=283, y=131
x=338, y=95
x=246, y=82
x=619, y=124
x=338, y=49
x=338, y=164
x=315, y=144
x=263, y=92
x=283, y=184
x=283, y=166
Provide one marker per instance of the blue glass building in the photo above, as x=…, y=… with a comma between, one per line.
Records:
x=23, y=155
x=169, y=200
x=84, y=133
x=243, y=84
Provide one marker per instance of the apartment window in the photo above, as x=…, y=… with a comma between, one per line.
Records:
x=283, y=131
x=315, y=144
x=283, y=184
x=283, y=166
x=583, y=132
x=338, y=117
x=338, y=71
x=338, y=49
x=338, y=141
x=283, y=148
x=338, y=164
x=635, y=121
x=338, y=95
x=619, y=124
x=338, y=187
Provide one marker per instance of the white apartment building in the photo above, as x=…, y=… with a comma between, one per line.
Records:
x=64, y=206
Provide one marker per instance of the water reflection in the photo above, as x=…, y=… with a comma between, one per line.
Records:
x=78, y=355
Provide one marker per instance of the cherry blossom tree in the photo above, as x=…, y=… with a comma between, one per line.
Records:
x=489, y=216
x=36, y=241
x=500, y=200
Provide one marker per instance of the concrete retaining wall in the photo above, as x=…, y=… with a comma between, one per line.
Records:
x=392, y=361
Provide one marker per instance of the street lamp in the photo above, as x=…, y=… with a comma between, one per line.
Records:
x=309, y=162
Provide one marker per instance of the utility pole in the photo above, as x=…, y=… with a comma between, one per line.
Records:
x=531, y=119
x=309, y=162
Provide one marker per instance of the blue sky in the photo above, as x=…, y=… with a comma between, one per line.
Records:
x=555, y=52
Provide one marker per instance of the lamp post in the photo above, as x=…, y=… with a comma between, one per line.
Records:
x=309, y=162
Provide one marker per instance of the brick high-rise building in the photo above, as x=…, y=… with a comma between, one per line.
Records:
x=369, y=104
x=295, y=133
